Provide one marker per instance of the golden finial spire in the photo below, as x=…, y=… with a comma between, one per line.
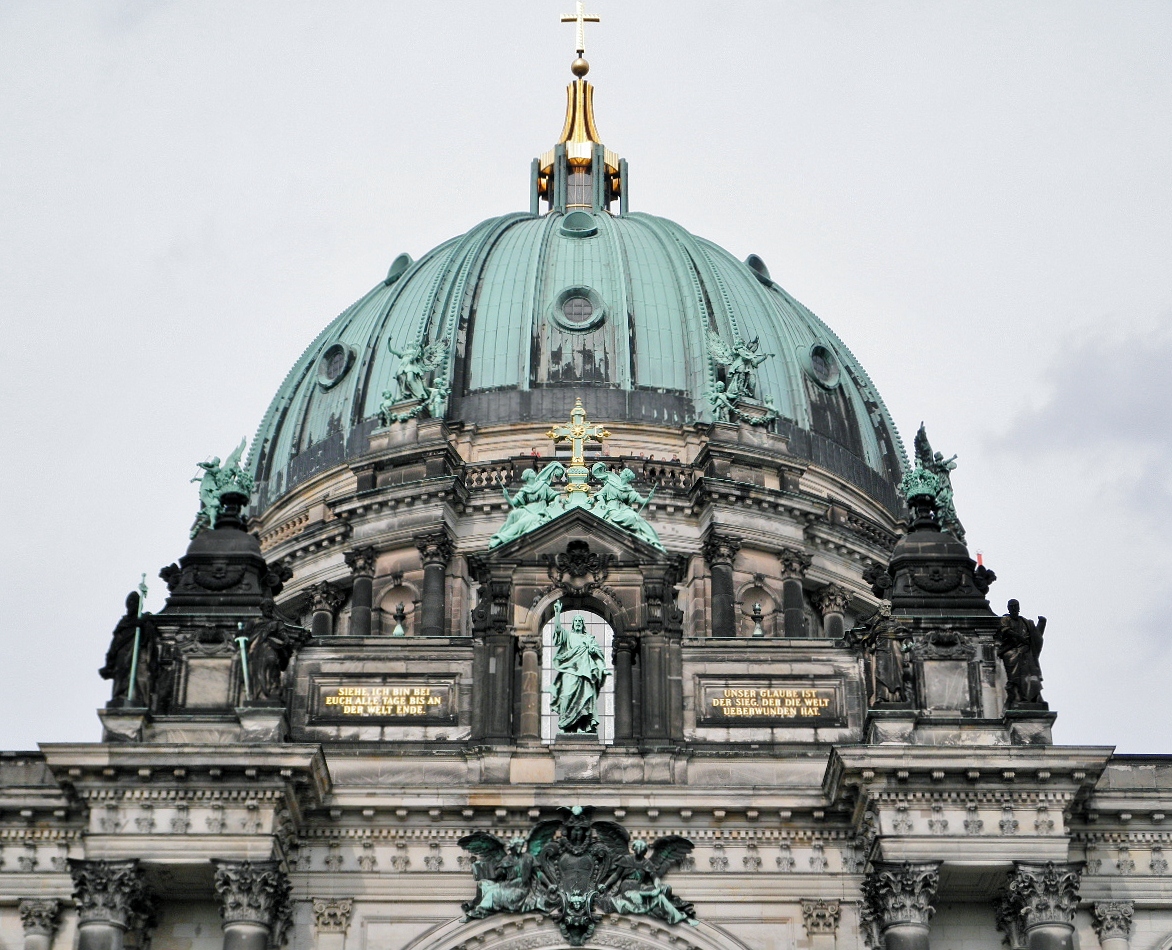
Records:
x=580, y=67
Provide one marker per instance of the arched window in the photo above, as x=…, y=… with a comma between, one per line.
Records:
x=601, y=632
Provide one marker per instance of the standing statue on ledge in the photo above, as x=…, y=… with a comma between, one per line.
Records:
x=885, y=642
x=272, y=641
x=579, y=672
x=942, y=468
x=216, y=481
x=614, y=502
x=535, y=503
x=1019, y=644
x=121, y=658
x=416, y=361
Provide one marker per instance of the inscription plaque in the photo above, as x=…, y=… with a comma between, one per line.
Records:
x=769, y=701
x=384, y=700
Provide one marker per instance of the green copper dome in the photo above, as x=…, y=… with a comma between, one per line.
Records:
x=540, y=309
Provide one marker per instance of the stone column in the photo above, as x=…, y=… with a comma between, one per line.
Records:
x=361, y=563
x=719, y=552
x=897, y=903
x=653, y=665
x=39, y=918
x=1041, y=899
x=254, y=903
x=623, y=656
x=1112, y=922
x=326, y=600
x=111, y=899
x=331, y=920
x=821, y=920
x=831, y=600
x=436, y=550
x=530, y=724
x=794, y=564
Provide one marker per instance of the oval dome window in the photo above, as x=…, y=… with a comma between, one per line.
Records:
x=579, y=224
x=822, y=365
x=334, y=364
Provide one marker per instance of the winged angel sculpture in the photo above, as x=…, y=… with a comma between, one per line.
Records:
x=416, y=361
x=942, y=468
x=217, y=480
x=575, y=870
x=741, y=361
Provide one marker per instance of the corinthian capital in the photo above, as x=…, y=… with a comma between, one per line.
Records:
x=326, y=597
x=435, y=548
x=332, y=916
x=896, y=893
x=720, y=549
x=40, y=916
x=256, y=892
x=1113, y=919
x=794, y=562
x=831, y=599
x=1043, y=893
x=821, y=916
x=361, y=561
x=111, y=892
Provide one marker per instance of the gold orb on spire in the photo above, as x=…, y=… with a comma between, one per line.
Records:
x=579, y=67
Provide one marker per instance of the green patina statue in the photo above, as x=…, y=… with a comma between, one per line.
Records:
x=217, y=480
x=614, y=500
x=579, y=672
x=534, y=503
x=416, y=361
x=933, y=475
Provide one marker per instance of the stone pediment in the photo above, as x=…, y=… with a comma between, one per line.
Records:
x=577, y=524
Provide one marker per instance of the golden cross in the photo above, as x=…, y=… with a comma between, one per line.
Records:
x=576, y=433
x=581, y=17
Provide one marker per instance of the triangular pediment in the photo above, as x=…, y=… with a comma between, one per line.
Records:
x=577, y=524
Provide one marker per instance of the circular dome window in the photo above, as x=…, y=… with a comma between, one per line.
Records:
x=822, y=365
x=578, y=308
x=335, y=363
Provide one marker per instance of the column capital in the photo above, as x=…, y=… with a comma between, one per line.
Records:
x=794, y=562
x=326, y=596
x=435, y=548
x=332, y=916
x=530, y=642
x=831, y=599
x=39, y=916
x=1113, y=919
x=255, y=892
x=720, y=549
x=361, y=561
x=111, y=892
x=900, y=893
x=821, y=916
x=1040, y=894
x=625, y=643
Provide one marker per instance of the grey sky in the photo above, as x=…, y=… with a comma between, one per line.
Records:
x=976, y=196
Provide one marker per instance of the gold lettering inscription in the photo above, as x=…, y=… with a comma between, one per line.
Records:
x=383, y=701
x=769, y=702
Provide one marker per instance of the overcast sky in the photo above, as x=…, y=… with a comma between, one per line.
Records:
x=976, y=196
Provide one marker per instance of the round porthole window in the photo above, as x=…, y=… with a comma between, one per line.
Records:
x=577, y=308
x=823, y=366
x=334, y=364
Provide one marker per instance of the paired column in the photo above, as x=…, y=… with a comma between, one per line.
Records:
x=40, y=920
x=897, y=904
x=719, y=551
x=112, y=898
x=1037, y=909
x=794, y=564
x=254, y=903
x=821, y=920
x=326, y=600
x=624, y=648
x=331, y=920
x=1112, y=923
x=831, y=600
x=361, y=562
x=530, y=724
x=436, y=550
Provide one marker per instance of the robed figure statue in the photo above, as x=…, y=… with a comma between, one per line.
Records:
x=579, y=672
x=884, y=641
x=121, y=660
x=1019, y=643
x=272, y=642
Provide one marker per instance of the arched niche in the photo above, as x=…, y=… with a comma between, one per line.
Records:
x=752, y=594
x=406, y=595
x=535, y=932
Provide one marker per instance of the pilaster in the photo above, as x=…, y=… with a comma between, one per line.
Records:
x=40, y=921
x=331, y=920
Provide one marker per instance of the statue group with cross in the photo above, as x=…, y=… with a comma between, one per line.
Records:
x=538, y=501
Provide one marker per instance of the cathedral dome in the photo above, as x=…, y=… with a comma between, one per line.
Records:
x=540, y=309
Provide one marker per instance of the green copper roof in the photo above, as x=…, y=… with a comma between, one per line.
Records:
x=506, y=294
